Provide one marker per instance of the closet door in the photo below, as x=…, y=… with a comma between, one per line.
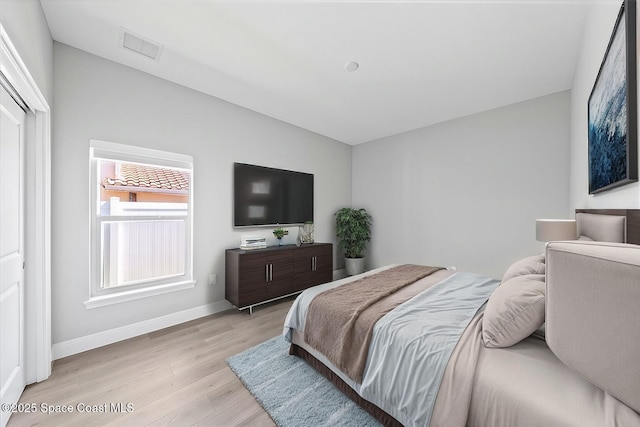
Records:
x=12, y=373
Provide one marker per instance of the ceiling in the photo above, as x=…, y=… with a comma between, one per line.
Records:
x=421, y=62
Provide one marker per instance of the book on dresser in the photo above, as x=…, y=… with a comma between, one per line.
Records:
x=261, y=275
x=249, y=243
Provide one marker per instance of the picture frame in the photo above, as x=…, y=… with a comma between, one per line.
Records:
x=612, y=109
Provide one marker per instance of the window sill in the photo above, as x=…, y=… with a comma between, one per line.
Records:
x=119, y=297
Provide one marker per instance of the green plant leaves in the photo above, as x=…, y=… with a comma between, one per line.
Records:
x=353, y=229
x=280, y=232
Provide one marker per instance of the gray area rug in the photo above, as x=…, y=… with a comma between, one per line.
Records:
x=292, y=392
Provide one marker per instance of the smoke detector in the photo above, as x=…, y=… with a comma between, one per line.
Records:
x=141, y=45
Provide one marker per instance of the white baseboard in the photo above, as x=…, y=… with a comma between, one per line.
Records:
x=89, y=342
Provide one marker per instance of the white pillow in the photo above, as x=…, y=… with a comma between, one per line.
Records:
x=515, y=310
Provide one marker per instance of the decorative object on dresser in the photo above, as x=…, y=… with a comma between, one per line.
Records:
x=280, y=233
x=353, y=229
x=612, y=109
x=305, y=233
x=263, y=275
x=253, y=243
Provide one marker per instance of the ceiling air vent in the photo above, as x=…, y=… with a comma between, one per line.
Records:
x=139, y=44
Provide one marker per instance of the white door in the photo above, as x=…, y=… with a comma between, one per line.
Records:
x=12, y=375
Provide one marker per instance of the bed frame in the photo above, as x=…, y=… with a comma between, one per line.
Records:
x=631, y=235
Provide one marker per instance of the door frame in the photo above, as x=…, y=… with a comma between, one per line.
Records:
x=37, y=219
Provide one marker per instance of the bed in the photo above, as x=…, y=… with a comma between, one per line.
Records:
x=554, y=343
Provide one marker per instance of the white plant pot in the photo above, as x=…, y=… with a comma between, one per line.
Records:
x=354, y=266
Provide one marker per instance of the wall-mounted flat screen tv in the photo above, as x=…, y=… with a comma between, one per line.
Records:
x=269, y=196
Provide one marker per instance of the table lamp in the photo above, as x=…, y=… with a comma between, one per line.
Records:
x=548, y=230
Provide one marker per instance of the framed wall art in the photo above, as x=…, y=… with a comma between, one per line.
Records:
x=612, y=109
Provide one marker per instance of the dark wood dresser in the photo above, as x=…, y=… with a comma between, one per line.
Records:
x=253, y=277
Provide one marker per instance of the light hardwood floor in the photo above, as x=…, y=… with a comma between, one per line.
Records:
x=176, y=376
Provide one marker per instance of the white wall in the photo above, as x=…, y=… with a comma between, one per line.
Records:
x=598, y=28
x=96, y=98
x=466, y=192
x=26, y=25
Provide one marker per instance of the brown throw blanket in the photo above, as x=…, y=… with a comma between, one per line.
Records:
x=339, y=324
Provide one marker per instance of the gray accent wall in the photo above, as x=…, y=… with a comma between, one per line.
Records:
x=467, y=192
x=99, y=99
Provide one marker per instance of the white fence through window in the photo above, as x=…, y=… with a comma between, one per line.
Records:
x=137, y=250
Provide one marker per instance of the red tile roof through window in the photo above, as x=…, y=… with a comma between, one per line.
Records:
x=147, y=177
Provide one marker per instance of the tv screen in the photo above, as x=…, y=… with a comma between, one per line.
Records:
x=268, y=196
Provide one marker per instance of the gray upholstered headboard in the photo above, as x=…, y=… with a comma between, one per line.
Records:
x=592, y=317
x=609, y=225
x=592, y=293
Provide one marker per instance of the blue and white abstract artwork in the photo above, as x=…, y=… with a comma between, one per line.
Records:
x=608, y=139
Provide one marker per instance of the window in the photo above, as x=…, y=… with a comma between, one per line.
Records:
x=141, y=210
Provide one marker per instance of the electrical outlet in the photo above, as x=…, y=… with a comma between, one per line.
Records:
x=212, y=279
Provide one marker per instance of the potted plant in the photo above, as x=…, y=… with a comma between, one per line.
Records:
x=353, y=229
x=280, y=233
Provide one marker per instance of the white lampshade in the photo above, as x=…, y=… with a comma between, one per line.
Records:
x=548, y=230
